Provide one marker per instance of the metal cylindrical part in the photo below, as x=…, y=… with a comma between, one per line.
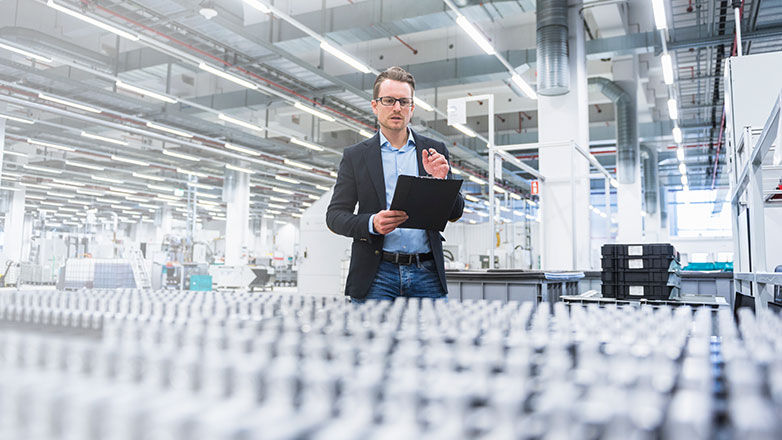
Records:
x=626, y=127
x=552, y=47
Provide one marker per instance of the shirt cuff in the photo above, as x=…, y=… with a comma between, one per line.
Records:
x=371, y=225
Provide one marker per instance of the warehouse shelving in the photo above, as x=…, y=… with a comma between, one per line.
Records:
x=754, y=176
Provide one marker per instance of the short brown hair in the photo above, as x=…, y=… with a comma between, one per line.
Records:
x=395, y=73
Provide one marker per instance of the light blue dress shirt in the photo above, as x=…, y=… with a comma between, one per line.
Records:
x=395, y=163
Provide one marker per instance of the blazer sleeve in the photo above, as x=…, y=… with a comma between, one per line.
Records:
x=340, y=218
x=458, y=205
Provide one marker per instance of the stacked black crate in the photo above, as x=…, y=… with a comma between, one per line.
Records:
x=640, y=271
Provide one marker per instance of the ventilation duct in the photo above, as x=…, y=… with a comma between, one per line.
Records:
x=552, y=48
x=626, y=127
x=45, y=44
x=651, y=179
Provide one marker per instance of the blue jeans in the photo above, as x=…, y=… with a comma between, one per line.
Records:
x=409, y=281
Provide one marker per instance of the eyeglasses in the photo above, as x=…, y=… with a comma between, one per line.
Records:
x=390, y=101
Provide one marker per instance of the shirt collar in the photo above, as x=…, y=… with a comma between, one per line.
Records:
x=384, y=143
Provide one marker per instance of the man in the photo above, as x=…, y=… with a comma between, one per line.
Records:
x=386, y=261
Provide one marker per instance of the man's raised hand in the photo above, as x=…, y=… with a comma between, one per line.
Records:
x=435, y=163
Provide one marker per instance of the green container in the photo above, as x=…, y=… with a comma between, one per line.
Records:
x=201, y=283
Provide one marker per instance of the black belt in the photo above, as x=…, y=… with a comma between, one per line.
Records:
x=406, y=259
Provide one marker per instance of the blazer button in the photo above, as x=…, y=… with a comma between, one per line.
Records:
x=377, y=252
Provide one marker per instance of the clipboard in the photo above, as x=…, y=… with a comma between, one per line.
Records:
x=426, y=200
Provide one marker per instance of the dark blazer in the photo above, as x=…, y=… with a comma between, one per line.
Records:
x=361, y=180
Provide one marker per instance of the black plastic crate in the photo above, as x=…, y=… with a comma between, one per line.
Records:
x=637, y=276
x=638, y=291
x=639, y=250
x=630, y=263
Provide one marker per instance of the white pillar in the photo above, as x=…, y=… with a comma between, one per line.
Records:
x=629, y=205
x=236, y=193
x=163, y=223
x=14, y=227
x=565, y=194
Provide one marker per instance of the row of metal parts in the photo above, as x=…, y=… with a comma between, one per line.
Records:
x=136, y=365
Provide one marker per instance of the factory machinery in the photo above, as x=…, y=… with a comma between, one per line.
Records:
x=143, y=364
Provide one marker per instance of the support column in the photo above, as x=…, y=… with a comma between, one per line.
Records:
x=163, y=221
x=236, y=193
x=14, y=226
x=629, y=206
x=565, y=195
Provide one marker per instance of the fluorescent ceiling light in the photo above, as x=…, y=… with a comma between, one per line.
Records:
x=673, y=109
x=79, y=202
x=15, y=153
x=14, y=118
x=365, y=133
x=296, y=215
x=168, y=129
x=69, y=103
x=240, y=169
x=531, y=203
x=106, y=179
x=482, y=214
x=526, y=88
x=478, y=181
x=677, y=134
x=181, y=155
x=9, y=188
x=278, y=199
x=322, y=188
x=515, y=196
x=122, y=191
x=241, y=149
x=680, y=153
x=333, y=173
x=239, y=122
x=423, y=104
x=258, y=5
x=68, y=182
x=34, y=197
x=305, y=144
x=287, y=179
x=345, y=58
x=160, y=187
x=658, y=8
x=92, y=21
x=45, y=170
x=314, y=112
x=84, y=165
x=296, y=164
x=475, y=34
x=192, y=173
x=145, y=92
x=201, y=185
x=103, y=138
x=50, y=145
x=148, y=177
x=313, y=197
x=272, y=211
x=667, y=68
x=146, y=205
x=26, y=53
x=498, y=189
x=471, y=198
x=230, y=77
x=70, y=209
x=465, y=130
x=208, y=203
x=51, y=203
x=682, y=168
x=208, y=196
x=129, y=160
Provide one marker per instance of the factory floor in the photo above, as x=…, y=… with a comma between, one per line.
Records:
x=279, y=289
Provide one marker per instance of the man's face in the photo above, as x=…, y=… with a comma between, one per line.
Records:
x=395, y=117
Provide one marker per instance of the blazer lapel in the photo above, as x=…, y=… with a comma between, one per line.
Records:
x=374, y=163
x=419, y=148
